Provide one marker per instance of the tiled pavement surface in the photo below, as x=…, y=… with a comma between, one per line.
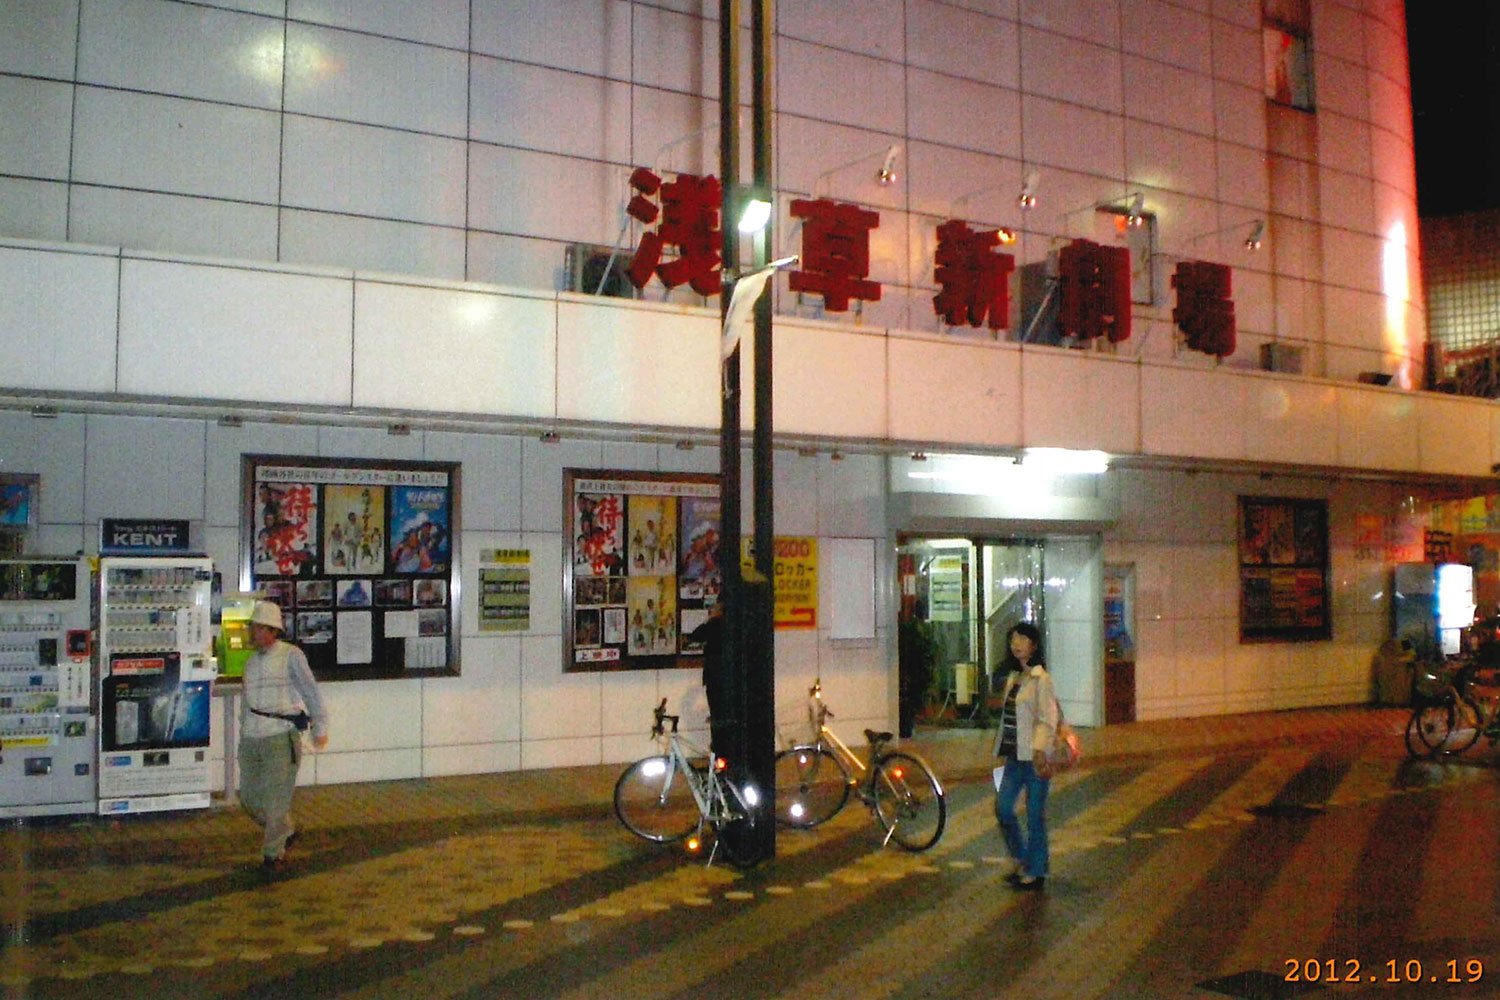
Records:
x=121, y=907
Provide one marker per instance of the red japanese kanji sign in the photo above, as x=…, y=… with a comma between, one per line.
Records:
x=1205, y=309
x=689, y=223
x=1093, y=291
x=975, y=282
x=835, y=252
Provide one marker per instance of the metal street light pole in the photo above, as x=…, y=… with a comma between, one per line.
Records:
x=749, y=639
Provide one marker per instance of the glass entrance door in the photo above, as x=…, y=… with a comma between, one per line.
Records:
x=959, y=597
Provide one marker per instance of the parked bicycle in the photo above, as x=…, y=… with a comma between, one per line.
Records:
x=676, y=794
x=1450, y=716
x=814, y=781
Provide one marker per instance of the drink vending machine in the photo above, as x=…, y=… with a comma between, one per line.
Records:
x=156, y=672
x=46, y=688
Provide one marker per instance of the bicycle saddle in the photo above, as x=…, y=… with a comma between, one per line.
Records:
x=873, y=737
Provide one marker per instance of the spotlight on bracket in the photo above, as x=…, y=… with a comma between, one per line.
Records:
x=886, y=175
x=1027, y=198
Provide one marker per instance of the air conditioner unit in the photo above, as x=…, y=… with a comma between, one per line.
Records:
x=1279, y=357
x=587, y=264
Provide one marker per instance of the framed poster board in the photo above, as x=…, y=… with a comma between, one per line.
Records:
x=641, y=567
x=362, y=556
x=1283, y=563
x=18, y=510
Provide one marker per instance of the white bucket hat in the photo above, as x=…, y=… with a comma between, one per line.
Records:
x=267, y=613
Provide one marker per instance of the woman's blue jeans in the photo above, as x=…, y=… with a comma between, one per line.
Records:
x=1030, y=851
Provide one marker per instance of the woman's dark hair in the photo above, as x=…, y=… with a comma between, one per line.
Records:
x=1031, y=632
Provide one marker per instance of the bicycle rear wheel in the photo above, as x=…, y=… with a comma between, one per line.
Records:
x=1414, y=745
x=654, y=801
x=812, y=784
x=738, y=838
x=909, y=801
x=1444, y=728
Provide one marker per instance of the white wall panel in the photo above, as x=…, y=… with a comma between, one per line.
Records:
x=1337, y=30
x=491, y=497
x=53, y=449
x=1345, y=201
x=169, y=144
x=554, y=704
x=34, y=127
x=437, y=22
x=536, y=194
x=383, y=716
x=1168, y=32
x=379, y=81
x=368, y=442
x=518, y=261
x=1288, y=420
x=1096, y=21
x=518, y=105
x=181, y=49
x=1242, y=176
x=143, y=467
x=483, y=704
x=1166, y=158
x=336, y=766
x=1343, y=87
x=57, y=311
x=33, y=210
x=839, y=86
x=1072, y=399
x=588, y=36
x=1073, y=138
x=826, y=379
x=1067, y=69
x=444, y=349
x=1240, y=115
x=221, y=333
x=39, y=37
x=946, y=38
x=1191, y=413
x=1344, y=143
x=362, y=170
x=1237, y=54
x=638, y=364
x=877, y=31
x=1454, y=435
x=324, y=238
x=946, y=390
x=674, y=51
x=1379, y=429
x=964, y=113
x=1191, y=107
x=171, y=223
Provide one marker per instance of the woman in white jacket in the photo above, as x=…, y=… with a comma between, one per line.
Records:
x=1028, y=722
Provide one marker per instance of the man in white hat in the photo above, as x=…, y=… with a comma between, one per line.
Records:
x=280, y=699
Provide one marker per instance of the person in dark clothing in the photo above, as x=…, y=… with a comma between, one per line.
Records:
x=715, y=675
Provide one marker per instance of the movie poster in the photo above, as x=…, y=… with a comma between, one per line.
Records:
x=599, y=542
x=419, y=530
x=699, y=576
x=651, y=616
x=286, y=529
x=353, y=531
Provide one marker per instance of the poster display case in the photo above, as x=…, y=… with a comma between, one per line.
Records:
x=47, y=725
x=362, y=557
x=156, y=674
x=1283, y=570
x=642, y=568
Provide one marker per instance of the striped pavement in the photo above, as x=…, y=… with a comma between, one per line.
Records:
x=1191, y=858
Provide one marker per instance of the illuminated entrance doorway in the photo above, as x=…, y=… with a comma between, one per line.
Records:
x=959, y=598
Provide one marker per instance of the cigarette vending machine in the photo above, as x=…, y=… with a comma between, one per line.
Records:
x=46, y=688
x=156, y=672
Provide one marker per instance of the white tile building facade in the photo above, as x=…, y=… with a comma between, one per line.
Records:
x=326, y=216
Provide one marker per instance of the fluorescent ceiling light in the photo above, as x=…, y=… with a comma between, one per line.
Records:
x=1065, y=461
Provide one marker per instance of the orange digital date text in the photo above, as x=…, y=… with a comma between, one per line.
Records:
x=1351, y=970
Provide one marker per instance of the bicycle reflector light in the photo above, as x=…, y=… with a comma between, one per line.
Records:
x=752, y=796
x=655, y=767
x=898, y=772
x=720, y=764
x=694, y=844
x=796, y=810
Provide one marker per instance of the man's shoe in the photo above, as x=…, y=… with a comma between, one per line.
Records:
x=1014, y=878
x=289, y=838
x=1029, y=884
x=270, y=865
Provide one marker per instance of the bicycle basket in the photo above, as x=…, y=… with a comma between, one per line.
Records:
x=1431, y=686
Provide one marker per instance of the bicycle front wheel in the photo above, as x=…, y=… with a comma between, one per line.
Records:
x=812, y=784
x=909, y=801
x=654, y=801
x=736, y=832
